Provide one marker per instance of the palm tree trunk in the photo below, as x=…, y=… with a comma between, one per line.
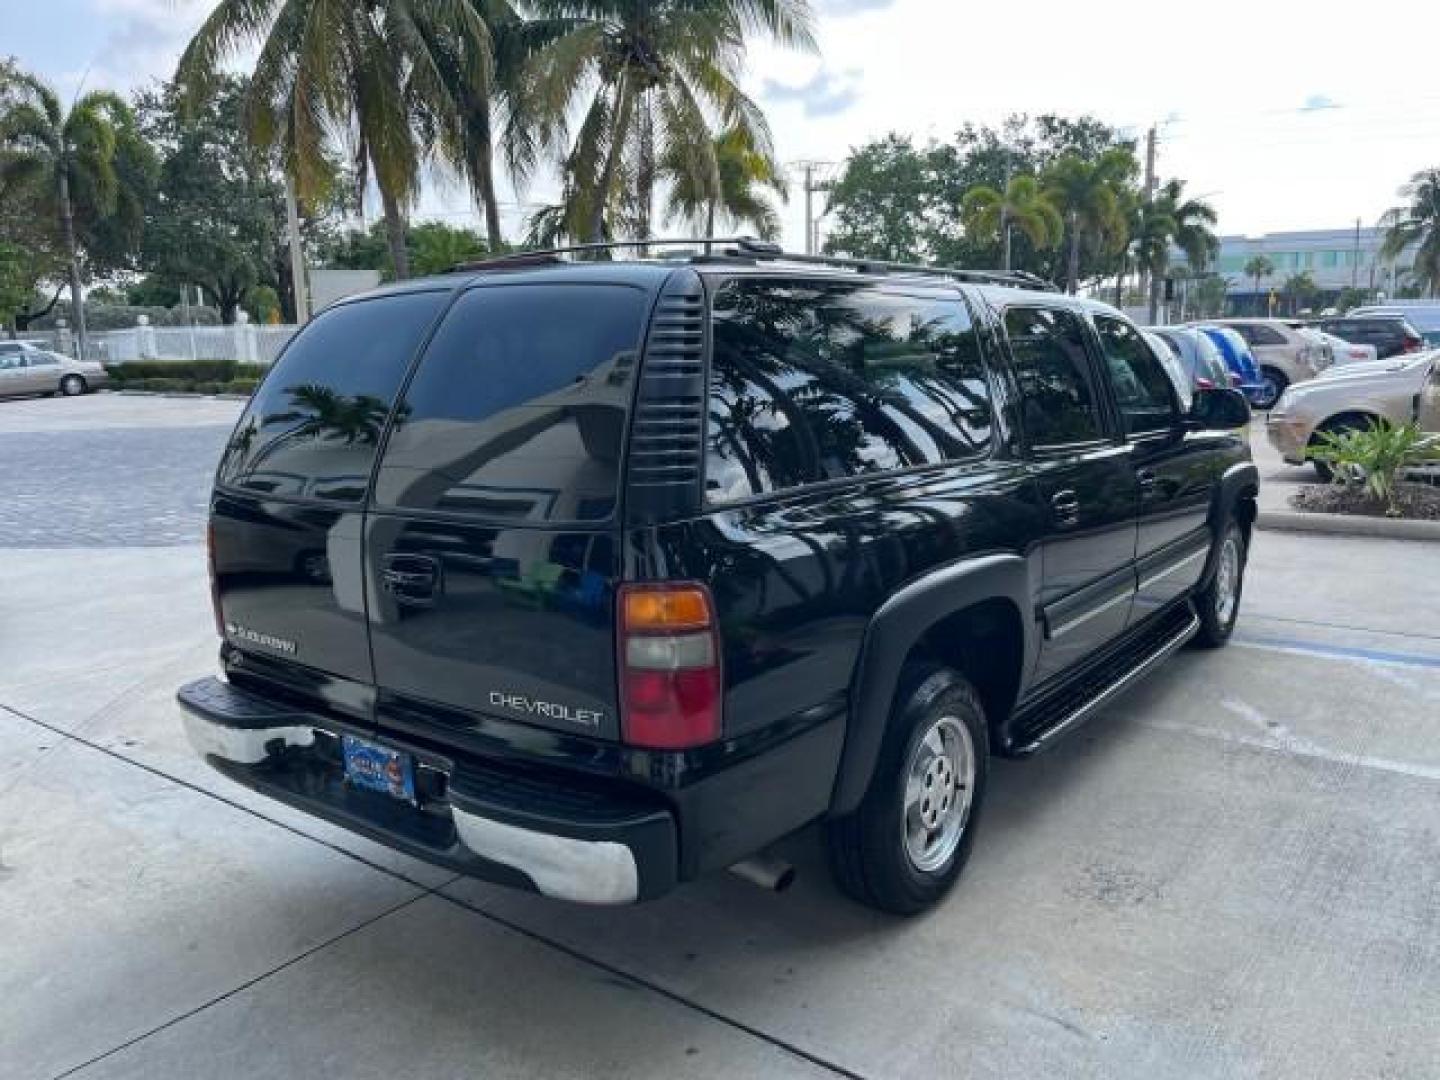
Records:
x=77, y=300
x=600, y=199
x=1072, y=272
x=484, y=170
x=709, y=225
x=645, y=186
x=395, y=234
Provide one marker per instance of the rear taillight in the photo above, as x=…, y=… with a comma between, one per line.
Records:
x=1203, y=383
x=214, y=583
x=1413, y=344
x=670, y=688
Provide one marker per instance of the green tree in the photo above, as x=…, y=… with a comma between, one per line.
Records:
x=882, y=200
x=743, y=173
x=1256, y=268
x=652, y=83
x=213, y=221
x=1172, y=219
x=1023, y=205
x=1090, y=197
x=368, y=67
x=1300, y=289
x=85, y=167
x=1417, y=223
x=431, y=247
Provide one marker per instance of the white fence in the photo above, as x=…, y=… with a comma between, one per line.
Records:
x=245, y=342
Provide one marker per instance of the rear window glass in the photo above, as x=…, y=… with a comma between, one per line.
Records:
x=312, y=428
x=519, y=407
x=815, y=381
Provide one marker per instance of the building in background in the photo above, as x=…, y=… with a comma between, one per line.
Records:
x=1335, y=260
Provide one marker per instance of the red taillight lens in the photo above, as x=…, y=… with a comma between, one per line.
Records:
x=1203, y=383
x=1414, y=344
x=670, y=686
x=214, y=583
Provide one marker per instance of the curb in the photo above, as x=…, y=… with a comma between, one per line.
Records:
x=1347, y=525
x=178, y=394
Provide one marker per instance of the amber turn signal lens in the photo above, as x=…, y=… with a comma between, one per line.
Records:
x=665, y=608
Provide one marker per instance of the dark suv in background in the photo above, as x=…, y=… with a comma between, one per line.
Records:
x=590, y=578
x=1391, y=335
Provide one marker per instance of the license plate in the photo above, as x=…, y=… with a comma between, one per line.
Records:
x=378, y=768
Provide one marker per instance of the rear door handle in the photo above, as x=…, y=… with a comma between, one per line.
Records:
x=412, y=579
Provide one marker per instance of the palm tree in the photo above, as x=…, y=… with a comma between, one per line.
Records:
x=1168, y=219
x=1299, y=288
x=1257, y=267
x=656, y=75
x=72, y=154
x=989, y=214
x=742, y=170
x=1417, y=223
x=1089, y=195
x=370, y=69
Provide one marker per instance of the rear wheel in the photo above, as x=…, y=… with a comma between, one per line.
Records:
x=72, y=386
x=1218, y=605
x=904, y=846
x=1273, y=383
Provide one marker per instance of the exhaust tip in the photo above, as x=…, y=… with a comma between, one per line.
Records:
x=768, y=872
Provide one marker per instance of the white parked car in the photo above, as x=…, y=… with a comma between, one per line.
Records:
x=1403, y=390
x=28, y=369
x=1345, y=352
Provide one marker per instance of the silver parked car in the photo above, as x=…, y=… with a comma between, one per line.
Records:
x=29, y=369
x=1401, y=390
x=1202, y=361
x=1285, y=355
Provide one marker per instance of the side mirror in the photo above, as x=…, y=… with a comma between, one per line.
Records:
x=1218, y=409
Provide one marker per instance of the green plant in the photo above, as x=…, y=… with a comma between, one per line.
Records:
x=1374, y=457
x=240, y=386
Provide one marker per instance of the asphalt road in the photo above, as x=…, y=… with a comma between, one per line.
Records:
x=1233, y=872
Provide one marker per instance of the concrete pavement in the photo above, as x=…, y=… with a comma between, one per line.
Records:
x=1232, y=872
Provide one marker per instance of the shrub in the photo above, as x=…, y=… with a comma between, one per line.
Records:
x=165, y=384
x=216, y=371
x=1374, y=457
x=206, y=387
x=241, y=386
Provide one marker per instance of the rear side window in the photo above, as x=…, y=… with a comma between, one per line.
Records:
x=1143, y=390
x=813, y=381
x=312, y=428
x=1058, y=402
x=1257, y=334
x=518, y=408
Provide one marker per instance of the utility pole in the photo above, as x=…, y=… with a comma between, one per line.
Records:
x=1355, y=261
x=297, y=254
x=1005, y=216
x=1148, y=287
x=808, y=171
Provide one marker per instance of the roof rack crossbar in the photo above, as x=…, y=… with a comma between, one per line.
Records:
x=762, y=250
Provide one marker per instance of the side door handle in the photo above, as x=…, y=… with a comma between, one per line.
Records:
x=1066, y=505
x=412, y=579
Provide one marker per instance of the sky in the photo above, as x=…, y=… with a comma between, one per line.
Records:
x=1284, y=116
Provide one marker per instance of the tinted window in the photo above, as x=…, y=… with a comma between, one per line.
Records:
x=37, y=359
x=311, y=429
x=1142, y=388
x=1257, y=334
x=812, y=381
x=519, y=406
x=1049, y=350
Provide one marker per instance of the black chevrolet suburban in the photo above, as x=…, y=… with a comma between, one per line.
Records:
x=590, y=577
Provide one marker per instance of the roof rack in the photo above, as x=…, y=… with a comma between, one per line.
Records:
x=748, y=247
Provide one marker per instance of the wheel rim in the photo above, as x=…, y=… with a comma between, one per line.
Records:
x=1227, y=580
x=939, y=789
x=71, y=385
x=1271, y=391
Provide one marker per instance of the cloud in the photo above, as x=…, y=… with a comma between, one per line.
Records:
x=1317, y=102
x=851, y=7
x=144, y=40
x=826, y=93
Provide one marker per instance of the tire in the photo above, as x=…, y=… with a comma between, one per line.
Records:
x=72, y=385
x=874, y=858
x=1274, y=382
x=1218, y=604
